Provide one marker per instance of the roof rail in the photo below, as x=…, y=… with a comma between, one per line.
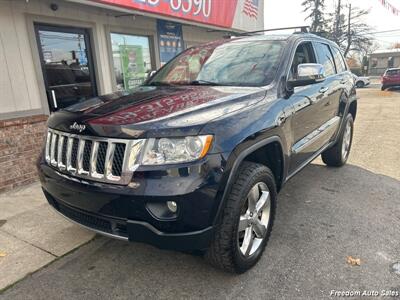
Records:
x=304, y=29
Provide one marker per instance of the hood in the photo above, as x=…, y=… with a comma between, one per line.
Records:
x=155, y=111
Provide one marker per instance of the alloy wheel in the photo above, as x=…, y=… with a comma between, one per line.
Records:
x=254, y=219
x=346, y=140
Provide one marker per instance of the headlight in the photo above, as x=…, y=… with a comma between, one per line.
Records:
x=175, y=150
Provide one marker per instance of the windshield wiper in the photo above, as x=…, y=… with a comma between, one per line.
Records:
x=204, y=82
x=159, y=83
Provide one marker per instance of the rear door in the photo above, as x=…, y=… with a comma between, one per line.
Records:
x=336, y=79
x=308, y=102
x=397, y=77
x=392, y=77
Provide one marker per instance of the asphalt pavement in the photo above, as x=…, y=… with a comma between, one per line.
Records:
x=324, y=215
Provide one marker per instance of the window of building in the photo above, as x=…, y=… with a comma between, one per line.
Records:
x=131, y=60
x=325, y=58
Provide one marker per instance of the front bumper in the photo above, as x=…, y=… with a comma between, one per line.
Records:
x=129, y=230
x=124, y=212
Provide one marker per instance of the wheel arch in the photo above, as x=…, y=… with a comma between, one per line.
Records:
x=360, y=81
x=353, y=109
x=253, y=153
x=348, y=103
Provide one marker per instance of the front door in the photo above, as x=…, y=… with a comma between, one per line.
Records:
x=307, y=102
x=67, y=65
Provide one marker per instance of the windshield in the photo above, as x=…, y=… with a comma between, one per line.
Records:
x=237, y=63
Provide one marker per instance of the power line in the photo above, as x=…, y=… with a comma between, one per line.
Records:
x=384, y=31
x=378, y=32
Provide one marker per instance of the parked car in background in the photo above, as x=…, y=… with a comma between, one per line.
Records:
x=361, y=81
x=391, y=78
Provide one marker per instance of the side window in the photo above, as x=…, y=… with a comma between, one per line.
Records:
x=325, y=58
x=304, y=55
x=339, y=61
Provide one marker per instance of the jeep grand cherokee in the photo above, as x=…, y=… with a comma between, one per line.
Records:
x=194, y=158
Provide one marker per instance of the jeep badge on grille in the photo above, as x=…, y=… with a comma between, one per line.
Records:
x=78, y=127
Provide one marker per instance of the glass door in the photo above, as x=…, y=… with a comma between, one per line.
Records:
x=67, y=64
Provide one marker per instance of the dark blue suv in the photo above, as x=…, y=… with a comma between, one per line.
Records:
x=193, y=159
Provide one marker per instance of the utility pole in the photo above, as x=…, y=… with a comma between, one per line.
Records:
x=348, y=32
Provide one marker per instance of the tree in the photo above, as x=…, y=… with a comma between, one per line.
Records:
x=345, y=25
x=316, y=14
x=349, y=30
x=353, y=62
x=337, y=19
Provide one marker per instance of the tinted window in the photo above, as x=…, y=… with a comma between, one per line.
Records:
x=304, y=55
x=393, y=72
x=339, y=61
x=325, y=58
x=245, y=63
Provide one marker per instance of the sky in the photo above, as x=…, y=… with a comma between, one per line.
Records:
x=285, y=13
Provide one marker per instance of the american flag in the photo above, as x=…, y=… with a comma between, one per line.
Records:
x=251, y=8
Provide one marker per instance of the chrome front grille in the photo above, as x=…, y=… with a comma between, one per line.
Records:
x=99, y=159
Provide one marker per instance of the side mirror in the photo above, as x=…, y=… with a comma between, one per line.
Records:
x=307, y=74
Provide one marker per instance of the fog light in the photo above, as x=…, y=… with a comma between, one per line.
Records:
x=172, y=206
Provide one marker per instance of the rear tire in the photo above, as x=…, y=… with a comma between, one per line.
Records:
x=360, y=84
x=383, y=88
x=243, y=230
x=337, y=155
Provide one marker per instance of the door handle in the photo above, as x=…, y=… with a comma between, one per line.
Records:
x=281, y=119
x=323, y=89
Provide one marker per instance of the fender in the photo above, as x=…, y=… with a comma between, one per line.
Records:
x=239, y=159
x=344, y=110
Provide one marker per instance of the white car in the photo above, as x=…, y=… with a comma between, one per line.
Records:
x=361, y=81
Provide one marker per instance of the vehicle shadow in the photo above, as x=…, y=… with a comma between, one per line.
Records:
x=324, y=214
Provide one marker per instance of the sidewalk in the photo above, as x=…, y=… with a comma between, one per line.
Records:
x=32, y=234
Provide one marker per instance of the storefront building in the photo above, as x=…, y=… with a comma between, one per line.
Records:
x=57, y=53
x=381, y=60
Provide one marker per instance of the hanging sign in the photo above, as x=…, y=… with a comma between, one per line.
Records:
x=236, y=14
x=390, y=7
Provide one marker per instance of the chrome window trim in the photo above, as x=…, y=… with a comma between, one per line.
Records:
x=56, y=162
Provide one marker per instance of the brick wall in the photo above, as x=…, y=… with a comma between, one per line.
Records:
x=21, y=141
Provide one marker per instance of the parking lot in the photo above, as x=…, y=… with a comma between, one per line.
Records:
x=324, y=215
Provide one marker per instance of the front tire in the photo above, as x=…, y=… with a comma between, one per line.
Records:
x=383, y=88
x=337, y=155
x=246, y=221
x=360, y=84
